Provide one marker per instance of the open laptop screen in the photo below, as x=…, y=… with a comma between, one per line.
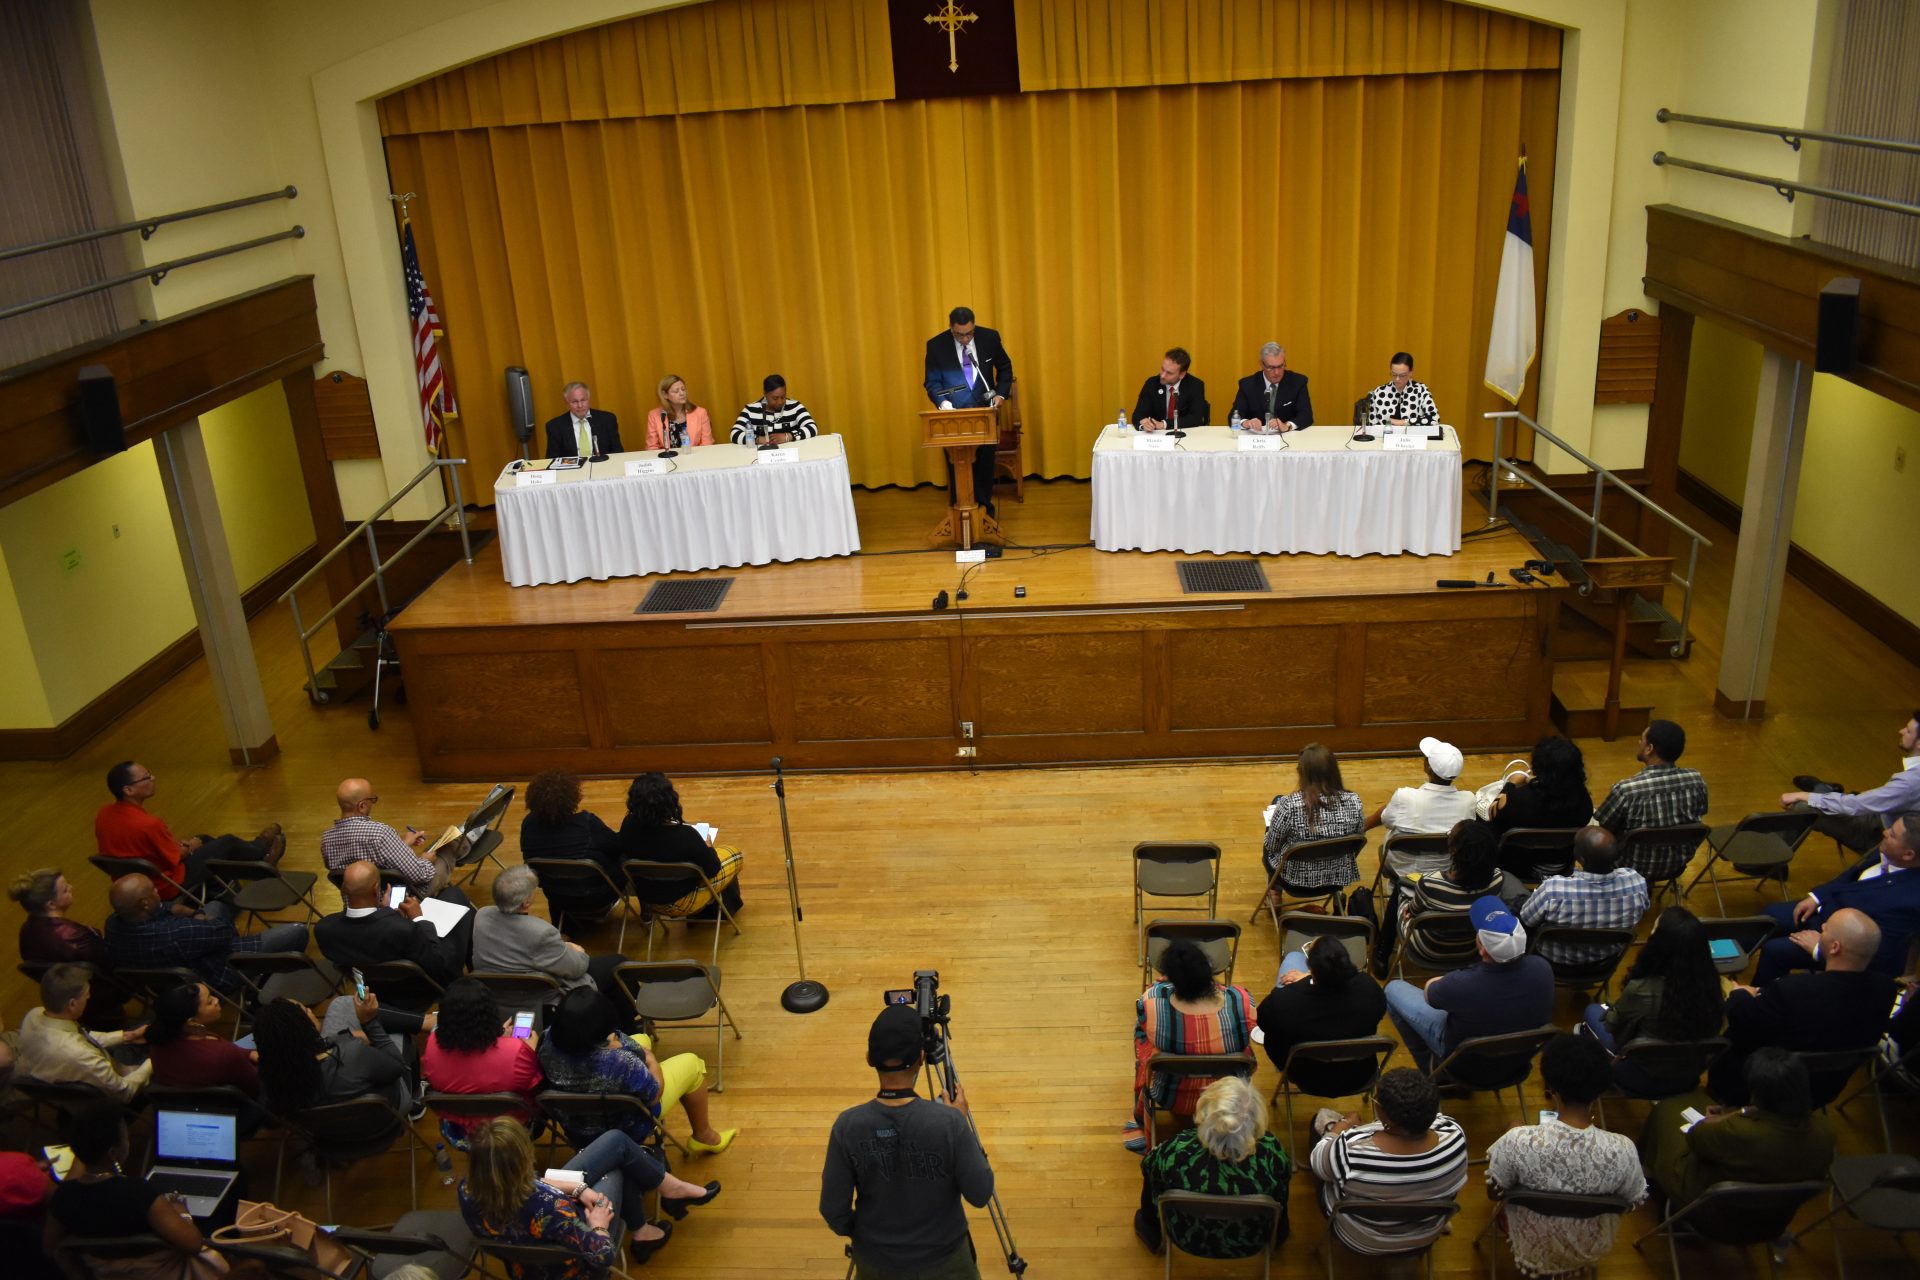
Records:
x=195, y=1137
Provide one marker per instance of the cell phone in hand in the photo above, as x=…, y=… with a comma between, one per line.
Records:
x=523, y=1025
x=396, y=895
x=360, y=985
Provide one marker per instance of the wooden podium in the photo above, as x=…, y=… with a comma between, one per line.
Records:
x=960, y=432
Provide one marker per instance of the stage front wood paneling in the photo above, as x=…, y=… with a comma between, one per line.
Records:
x=842, y=664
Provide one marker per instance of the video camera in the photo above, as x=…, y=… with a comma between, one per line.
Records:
x=934, y=1009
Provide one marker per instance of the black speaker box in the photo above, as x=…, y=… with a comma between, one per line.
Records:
x=520, y=402
x=1839, y=325
x=98, y=410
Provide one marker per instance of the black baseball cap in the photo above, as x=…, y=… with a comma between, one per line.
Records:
x=894, y=1042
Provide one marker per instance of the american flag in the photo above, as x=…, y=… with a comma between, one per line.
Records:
x=436, y=395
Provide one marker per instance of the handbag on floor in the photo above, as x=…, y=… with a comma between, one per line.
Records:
x=269, y=1226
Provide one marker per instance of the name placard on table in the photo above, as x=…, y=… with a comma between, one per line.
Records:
x=1397, y=442
x=1154, y=442
x=776, y=456
x=529, y=479
x=1261, y=444
x=646, y=466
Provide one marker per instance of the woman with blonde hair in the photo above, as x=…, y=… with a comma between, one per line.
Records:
x=678, y=423
x=50, y=936
x=1319, y=808
x=1228, y=1152
x=502, y=1199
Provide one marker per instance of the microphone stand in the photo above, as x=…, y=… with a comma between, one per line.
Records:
x=805, y=995
x=1173, y=415
x=666, y=436
x=761, y=436
x=1361, y=433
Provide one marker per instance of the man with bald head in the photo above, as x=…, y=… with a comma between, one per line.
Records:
x=1844, y=1005
x=143, y=933
x=368, y=932
x=1597, y=894
x=1885, y=885
x=355, y=835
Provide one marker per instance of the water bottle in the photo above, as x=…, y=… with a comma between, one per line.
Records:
x=444, y=1163
x=1120, y=423
x=1233, y=423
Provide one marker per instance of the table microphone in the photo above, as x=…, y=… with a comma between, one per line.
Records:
x=1363, y=435
x=761, y=435
x=1173, y=414
x=666, y=436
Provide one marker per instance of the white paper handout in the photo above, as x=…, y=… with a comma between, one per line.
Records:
x=440, y=916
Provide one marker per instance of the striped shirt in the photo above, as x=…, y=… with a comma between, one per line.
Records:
x=1660, y=795
x=755, y=423
x=1434, y=949
x=1616, y=900
x=1352, y=1166
x=1161, y=1028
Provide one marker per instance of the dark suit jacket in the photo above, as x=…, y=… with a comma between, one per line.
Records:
x=387, y=935
x=944, y=373
x=1290, y=402
x=1802, y=1010
x=1194, y=410
x=1892, y=900
x=606, y=434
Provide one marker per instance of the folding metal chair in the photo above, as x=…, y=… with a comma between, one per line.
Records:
x=1661, y=854
x=1356, y=933
x=1749, y=933
x=1531, y=854
x=257, y=888
x=481, y=848
x=1582, y=975
x=544, y=1259
x=1299, y=861
x=1365, y=1056
x=1757, y=848
x=582, y=1117
x=1187, y=1066
x=1741, y=1214
x=1879, y=1192
x=1431, y=848
x=1554, y=1204
x=1493, y=1064
x=1452, y=929
x=406, y=980
x=120, y=868
x=578, y=887
x=1174, y=869
x=1829, y=1071
x=425, y=1238
x=681, y=991
x=1648, y=1070
x=342, y=1133
x=1221, y=1209
x=297, y=976
x=1389, y=1212
x=1219, y=939
x=1901, y=1070
x=639, y=871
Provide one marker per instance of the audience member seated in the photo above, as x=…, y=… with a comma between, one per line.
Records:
x=355, y=836
x=1553, y=794
x=1843, y=1006
x=49, y=936
x=1776, y=1137
x=555, y=826
x=1566, y=1152
x=1508, y=990
x=1672, y=992
x=1662, y=794
x=367, y=933
x=1469, y=876
x=585, y=1052
x=473, y=1050
x=305, y=1062
x=503, y=1198
x=98, y=1201
x=185, y=1051
x=142, y=933
x=655, y=832
x=1409, y=1152
x=1228, y=1152
x=1185, y=1013
x=1429, y=809
x=1888, y=890
x=1856, y=820
x=1321, y=995
x=54, y=1049
x=508, y=939
x=25, y=1190
x=1600, y=894
x=124, y=829
x=1319, y=808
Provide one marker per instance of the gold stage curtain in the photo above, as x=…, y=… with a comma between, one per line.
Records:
x=1102, y=44
x=1345, y=217
x=723, y=55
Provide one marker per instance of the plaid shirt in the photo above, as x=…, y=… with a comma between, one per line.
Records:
x=1584, y=900
x=1661, y=795
x=357, y=839
x=164, y=941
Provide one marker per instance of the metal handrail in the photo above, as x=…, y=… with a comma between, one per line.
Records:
x=155, y=273
x=1786, y=186
x=457, y=509
x=1595, y=525
x=1791, y=135
x=146, y=226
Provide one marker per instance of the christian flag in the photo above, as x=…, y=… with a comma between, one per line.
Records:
x=1510, y=348
x=436, y=395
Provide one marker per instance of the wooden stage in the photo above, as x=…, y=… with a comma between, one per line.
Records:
x=844, y=664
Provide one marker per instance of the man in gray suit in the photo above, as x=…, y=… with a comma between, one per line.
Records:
x=507, y=939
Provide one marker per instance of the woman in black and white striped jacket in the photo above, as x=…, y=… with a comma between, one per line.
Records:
x=773, y=417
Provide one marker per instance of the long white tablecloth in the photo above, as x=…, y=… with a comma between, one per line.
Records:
x=717, y=508
x=1316, y=496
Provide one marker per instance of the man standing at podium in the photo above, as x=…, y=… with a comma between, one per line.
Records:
x=968, y=368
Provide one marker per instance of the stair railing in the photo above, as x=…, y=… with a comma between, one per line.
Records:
x=1595, y=525
x=455, y=510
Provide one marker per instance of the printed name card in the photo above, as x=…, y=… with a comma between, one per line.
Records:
x=1400, y=442
x=775, y=457
x=1261, y=444
x=646, y=466
x=1154, y=442
x=528, y=479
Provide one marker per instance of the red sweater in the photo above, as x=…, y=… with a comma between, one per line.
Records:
x=203, y=1063
x=507, y=1066
x=125, y=830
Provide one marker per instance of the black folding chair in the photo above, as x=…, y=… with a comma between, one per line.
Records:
x=1226, y=1210
x=482, y=847
x=1599, y=953
x=1492, y=1064
x=1298, y=864
x=1389, y=1213
x=1365, y=1058
x=1756, y=848
x=1449, y=930
x=1431, y=848
x=1748, y=933
x=1174, y=869
x=580, y=888
x=120, y=868
x=1531, y=854
x=341, y=1134
x=1648, y=1070
x=1661, y=854
x=1741, y=1214
x=1553, y=1204
x=419, y=1238
x=1218, y=939
x=1186, y=1066
x=1879, y=1192
x=257, y=888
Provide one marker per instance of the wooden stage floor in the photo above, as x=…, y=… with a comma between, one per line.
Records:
x=844, y=663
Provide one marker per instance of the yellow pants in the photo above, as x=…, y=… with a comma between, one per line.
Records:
x=688, y=903
x=680, y=1075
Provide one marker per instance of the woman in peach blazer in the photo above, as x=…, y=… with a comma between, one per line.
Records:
x=676, y=406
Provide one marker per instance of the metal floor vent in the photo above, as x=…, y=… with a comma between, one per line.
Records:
x=687, y=595
x=1198, y=576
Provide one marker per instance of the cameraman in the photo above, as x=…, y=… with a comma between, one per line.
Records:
x=910, y=1160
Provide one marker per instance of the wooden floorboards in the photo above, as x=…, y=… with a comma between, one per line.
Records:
x=1015, y=885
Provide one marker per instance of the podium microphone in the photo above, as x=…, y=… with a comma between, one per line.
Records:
x=804, y=995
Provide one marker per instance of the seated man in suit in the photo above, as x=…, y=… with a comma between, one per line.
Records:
x=508, y=938
x=1886, y=888
x=1189, y=396
x=967, y=368
x=143, y=933
x=582, y=431
x=366, y=934
x=1274, y=399
x=1844, y=1006
x=1400, y=401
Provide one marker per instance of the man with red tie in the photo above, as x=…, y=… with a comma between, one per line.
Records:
x=968, y=368
x=1173, y=385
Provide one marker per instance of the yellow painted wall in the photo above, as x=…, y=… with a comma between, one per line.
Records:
x=23, y=704
x=1723, y=381
x=256, y=476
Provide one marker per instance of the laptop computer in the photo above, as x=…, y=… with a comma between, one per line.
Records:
x=196, y=1156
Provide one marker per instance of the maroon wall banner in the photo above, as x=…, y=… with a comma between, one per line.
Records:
x=953, y=48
